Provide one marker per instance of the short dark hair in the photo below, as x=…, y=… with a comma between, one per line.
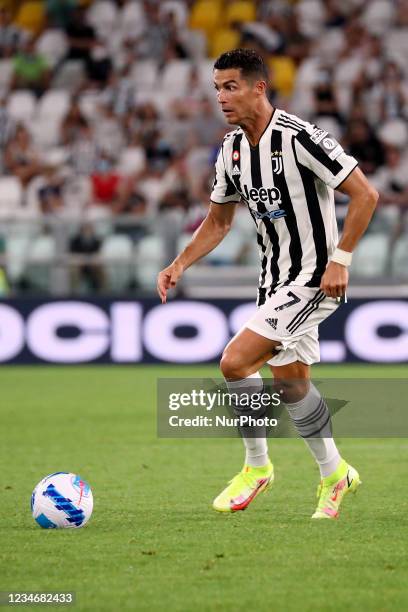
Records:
x=248, y=61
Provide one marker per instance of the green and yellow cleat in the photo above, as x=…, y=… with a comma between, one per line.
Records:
x=243, y=488
x=332, y=490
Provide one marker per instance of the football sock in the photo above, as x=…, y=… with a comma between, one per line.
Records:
x=254, y=437
x=311, y=418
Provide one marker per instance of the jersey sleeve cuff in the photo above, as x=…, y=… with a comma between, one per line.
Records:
x=343, y=176
x=225, y=200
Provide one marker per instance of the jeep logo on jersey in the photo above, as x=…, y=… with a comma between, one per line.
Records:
x=271, y=196
x=263, y=195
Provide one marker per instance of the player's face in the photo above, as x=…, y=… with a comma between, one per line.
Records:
x=235, y=95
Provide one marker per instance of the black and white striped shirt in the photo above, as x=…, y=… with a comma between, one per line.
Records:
x=287, y=182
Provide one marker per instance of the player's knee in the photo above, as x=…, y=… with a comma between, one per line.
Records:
x=291, y=390
x=232, y=366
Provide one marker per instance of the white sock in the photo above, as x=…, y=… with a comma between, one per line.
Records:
x=311, y=417
x=256, y=447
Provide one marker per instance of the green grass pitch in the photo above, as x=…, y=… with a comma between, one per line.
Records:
x=154, y=542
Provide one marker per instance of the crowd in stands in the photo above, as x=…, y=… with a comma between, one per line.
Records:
x=109, y=120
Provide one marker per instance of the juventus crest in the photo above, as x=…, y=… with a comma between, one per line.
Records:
x=277, y=164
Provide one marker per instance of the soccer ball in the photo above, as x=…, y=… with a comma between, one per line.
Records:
x=62, y=500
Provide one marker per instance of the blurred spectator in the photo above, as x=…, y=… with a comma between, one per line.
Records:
x=144, y=120
x=81, y=37
x=325, y=98
x=91, y=274
x=109, y=134
x=158, y=149
x=206, y=125
x=392, y=92
x=73, y=121
x=120, y=90
x=391, y=180
x=83, y=45
x=83, y=148
x=7, y=128
x=49, y=192
x=106, y=182
x=11, y=37
x=21, y=157
x=60, y=12
x=335, y=16
x=31, y=70
x=162, y=39
x=132, y=204
x=363, y=144
x=296, y=45
x=175, y=47
x=178, y=133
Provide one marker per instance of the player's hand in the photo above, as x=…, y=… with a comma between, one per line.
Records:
x=168, y=279
x=334, y=280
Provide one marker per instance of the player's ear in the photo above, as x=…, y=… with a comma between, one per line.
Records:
x=260, y=87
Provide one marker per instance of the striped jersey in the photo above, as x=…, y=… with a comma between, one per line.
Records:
x=287, y=181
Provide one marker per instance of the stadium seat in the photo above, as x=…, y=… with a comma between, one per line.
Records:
x=311, y=15
x=144, y=74
x=396, y=45
x=45, y=131
x=226, y=253
x=378, y=16
x=102, y=15
x=371, y=256
x=385, y=219
x=117, y=255
x=101, y=219
x=205, y=74
x=40, y=262
x=22, y=105
x=196, y=44
x=206, y=15
x=148, y=261
x=11, y=195
x=283, y=74
x=88, y=102
x=17, y=246
x=42, y=249
x=53, y=45
x=132, y=160
x=131, y=20
x=178, y=8
x=175, y=76
x=399, y=258
x=224, y=40
x=6, y=73
x=31, y=16
x=69, y=76
x=54, y=104
x=240, y=12
x=77, y=194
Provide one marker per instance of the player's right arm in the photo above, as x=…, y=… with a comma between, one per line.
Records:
x=209, y=235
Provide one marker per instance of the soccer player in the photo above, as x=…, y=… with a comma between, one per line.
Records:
x=285, y=170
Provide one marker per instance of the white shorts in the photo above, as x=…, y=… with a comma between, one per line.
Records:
x=291, y=316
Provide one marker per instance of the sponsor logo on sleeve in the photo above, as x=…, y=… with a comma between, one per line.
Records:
x=318, y=135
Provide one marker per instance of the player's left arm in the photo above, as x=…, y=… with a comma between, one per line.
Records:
x=363, y=200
